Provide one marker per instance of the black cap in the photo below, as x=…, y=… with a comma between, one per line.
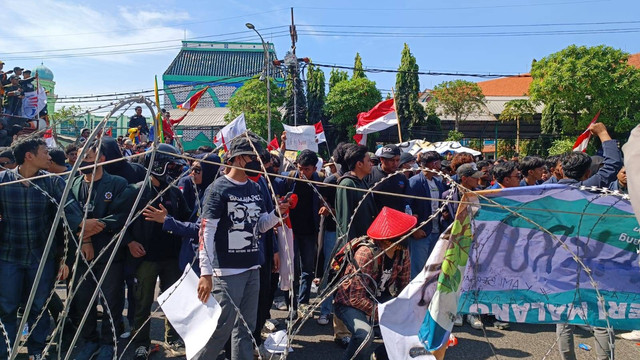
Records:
x=389, y=151
x=241, y=145
x=57, y=156
x=406, y=157
x=469, y=170
x=18, y=68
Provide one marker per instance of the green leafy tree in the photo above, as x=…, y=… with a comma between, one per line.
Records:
x=580, y=81
x=336, y=76
x=358, y=69
x=458, y=98
x=315, y=94
x=518, y=110
x=251, y=99
x=432, y=124
x=561, y=146
x=346, y=100
x=476, y=144
x=454, y=135
x=410, y=111
x=506, y=147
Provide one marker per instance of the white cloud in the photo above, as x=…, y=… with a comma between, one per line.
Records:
x=56, y=25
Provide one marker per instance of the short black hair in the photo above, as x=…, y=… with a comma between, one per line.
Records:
x=530, y=163
x=205, y=149
x=71, y=147
x=482, y=163
x=503, y=170
x=275, y=161
x=552, y=161
x=307, y=158
x=355, y=154
x=428, y=157
x=57, y=156
x=576, y=164
x=6, y=152
x=22, y=147
x=339, y=152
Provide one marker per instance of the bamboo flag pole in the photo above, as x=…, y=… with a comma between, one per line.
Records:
x=397, y=115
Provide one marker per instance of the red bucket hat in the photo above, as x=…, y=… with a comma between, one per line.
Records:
x=390, y=224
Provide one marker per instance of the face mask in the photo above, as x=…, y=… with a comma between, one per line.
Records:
x=253, y=168
x=87, y=170
x=415, y=167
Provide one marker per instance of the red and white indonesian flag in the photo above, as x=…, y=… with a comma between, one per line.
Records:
x=380, y=117
x=192, y=102
x=235, y=128
x=320, y=138
x=583, y=139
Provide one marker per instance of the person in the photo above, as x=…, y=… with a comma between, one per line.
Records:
x=358, y=166
x=154, y=252
x=457, y=160
x=531, y=168
x=58, y=162
x=408, y=164
x=377, y=280
x=13, y=96
x=426, y=185
x=554, y=165
x=576, y=169
x=84, y=135
x=139, y=122
x=393, y=183
x=128, y=148
x=234, y=213
x=27, y=82
x=107, y=198
x=7, y=160
x=71, y=152
x=6, y=138
x=621, y=183
x=305, y=223
x=576, y=165
x=168, y=123
x=506, y=175
x=27, y=213
x=486, y=167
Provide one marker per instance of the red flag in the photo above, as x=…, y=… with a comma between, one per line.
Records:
x=273, y=145
x=109, y=132
x=583, y=139
x=360, y=139
x=320, y=138
x=224, y=144
x=192, y=102
x=380, y=117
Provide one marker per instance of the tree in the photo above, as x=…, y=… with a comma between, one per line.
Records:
x=458, y=98
x=336, y=76
x=251, y=99
x=358, y=70
x=315, y=94
x=410, y=111
x=517, y=110
x=506, y=148
x=454, y=135
x=476, y=144
x=299, y=101
x=580, y=81
x=561, y=146
x=346, y=100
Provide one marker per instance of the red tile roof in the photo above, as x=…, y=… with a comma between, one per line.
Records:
x=519, y=86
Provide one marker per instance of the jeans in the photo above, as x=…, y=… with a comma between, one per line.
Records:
x=326, y=307
x=361, y=331
x=566, y=346
x=241, y=290
x=147, y=274
x=111, y=288
x=305, y=247
x=419, y=250
x=13, y=278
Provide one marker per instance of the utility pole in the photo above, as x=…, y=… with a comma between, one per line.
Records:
x=294, y=73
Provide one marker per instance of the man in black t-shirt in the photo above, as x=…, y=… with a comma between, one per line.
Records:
x=389, y=162
x=139, y=121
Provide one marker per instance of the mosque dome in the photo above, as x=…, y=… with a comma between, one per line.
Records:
x=44, y=73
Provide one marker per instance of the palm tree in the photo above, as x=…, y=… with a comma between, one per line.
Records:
x=518, y=109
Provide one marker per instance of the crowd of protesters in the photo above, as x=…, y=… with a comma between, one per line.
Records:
x=217, y=214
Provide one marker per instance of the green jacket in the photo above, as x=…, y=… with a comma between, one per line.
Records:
x=112, y=200
x=346, y=202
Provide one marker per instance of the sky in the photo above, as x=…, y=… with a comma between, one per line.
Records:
x=98, y=47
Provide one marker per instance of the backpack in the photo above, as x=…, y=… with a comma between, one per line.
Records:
x=346, y=254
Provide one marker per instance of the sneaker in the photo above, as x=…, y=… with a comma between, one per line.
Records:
x=87, y=351
x=176, y=347
x=281, y=305
x=633, y=335
x=141, y=353
x=474, y=321
x=106, y=352
x=323, y=319
x=343, y=341
x=457, y=321
x=501, y=325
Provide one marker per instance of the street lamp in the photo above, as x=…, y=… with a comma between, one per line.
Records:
x=266, y=69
